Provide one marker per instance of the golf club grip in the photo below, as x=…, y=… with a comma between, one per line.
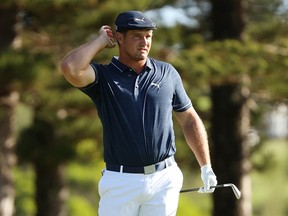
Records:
x=196, y=189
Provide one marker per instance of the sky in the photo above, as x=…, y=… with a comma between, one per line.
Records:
x=169, y=16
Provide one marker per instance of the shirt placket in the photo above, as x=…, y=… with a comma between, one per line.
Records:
x=136, y=88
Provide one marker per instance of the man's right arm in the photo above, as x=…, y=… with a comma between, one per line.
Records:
x=76, y=66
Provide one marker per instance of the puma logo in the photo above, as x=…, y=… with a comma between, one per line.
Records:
x=141, y=20
x=156, y=84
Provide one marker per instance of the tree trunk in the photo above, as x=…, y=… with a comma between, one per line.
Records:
x=8, y=101
x=231, y=122
x=51, y=193
x=7, y=25
x=227, y=18
x=7, y=153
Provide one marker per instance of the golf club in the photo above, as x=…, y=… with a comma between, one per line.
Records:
x=236, y=192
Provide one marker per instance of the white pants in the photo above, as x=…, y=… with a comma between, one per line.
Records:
x=125, y=194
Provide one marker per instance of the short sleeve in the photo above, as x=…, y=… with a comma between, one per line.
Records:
x=181, y=101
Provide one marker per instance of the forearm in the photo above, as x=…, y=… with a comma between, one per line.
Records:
x=196, y=137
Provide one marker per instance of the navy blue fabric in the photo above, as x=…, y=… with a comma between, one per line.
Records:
x=136, y=110
x=133, y=20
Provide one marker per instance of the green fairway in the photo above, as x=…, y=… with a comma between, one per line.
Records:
x=270, y=188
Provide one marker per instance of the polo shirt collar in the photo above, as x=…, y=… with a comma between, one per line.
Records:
x=122, y=67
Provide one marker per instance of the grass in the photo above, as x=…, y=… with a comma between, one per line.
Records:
x=269, y=187
x=193, y=203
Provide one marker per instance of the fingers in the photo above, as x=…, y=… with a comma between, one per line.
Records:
x=107, y=32
x=202, y=190
x=209, y=179
x=205, y=190
x=207, y=185
x=211, y=182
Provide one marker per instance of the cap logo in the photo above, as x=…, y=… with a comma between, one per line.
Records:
x=133, y=20
x=140, y=20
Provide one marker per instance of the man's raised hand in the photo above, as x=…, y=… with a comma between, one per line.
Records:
x=107, y=32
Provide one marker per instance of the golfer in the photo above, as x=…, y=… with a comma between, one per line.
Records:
x=135, y=96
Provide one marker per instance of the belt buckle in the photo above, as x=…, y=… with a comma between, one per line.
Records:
x=149, y=169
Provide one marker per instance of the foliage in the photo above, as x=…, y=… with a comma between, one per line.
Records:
x=25, y=188
x=263, y=11
x=79, y=206
x=49, y=29
x=18, y=68
x=82, y=179
x=231, y=60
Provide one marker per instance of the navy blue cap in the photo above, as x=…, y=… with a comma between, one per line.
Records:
x=133, y=20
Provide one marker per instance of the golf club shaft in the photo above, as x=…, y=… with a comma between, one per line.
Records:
x=236, y=191
x=196, y=189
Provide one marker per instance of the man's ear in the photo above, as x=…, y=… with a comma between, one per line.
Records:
x=119, y=37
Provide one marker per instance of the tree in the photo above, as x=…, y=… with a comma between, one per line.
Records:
x=230, y=118
x=230, y=62
x=48, y=143
x=8, y=100
x=63, y=116
x=230, y=97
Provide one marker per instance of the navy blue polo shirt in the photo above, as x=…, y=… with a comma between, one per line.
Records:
x=136, y=110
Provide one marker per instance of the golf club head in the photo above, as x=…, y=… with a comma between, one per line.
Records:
x=236, y=191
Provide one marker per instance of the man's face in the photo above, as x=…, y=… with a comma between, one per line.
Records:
x=135, y=44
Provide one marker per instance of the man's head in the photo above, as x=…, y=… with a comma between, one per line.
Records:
x=133, y=20
x=134, y=33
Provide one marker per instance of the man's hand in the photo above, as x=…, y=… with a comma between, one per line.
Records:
x=106, y=33
x=209, y=179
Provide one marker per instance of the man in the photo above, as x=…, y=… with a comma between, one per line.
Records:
x=135, y=95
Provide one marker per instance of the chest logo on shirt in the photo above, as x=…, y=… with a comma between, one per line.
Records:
x=156, y=84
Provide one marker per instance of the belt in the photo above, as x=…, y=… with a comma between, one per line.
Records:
x=142, y=169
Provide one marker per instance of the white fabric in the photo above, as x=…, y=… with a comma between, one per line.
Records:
x=125, y=194
x=209, y=179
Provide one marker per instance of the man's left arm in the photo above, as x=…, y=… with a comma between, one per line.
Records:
x=196, y=137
